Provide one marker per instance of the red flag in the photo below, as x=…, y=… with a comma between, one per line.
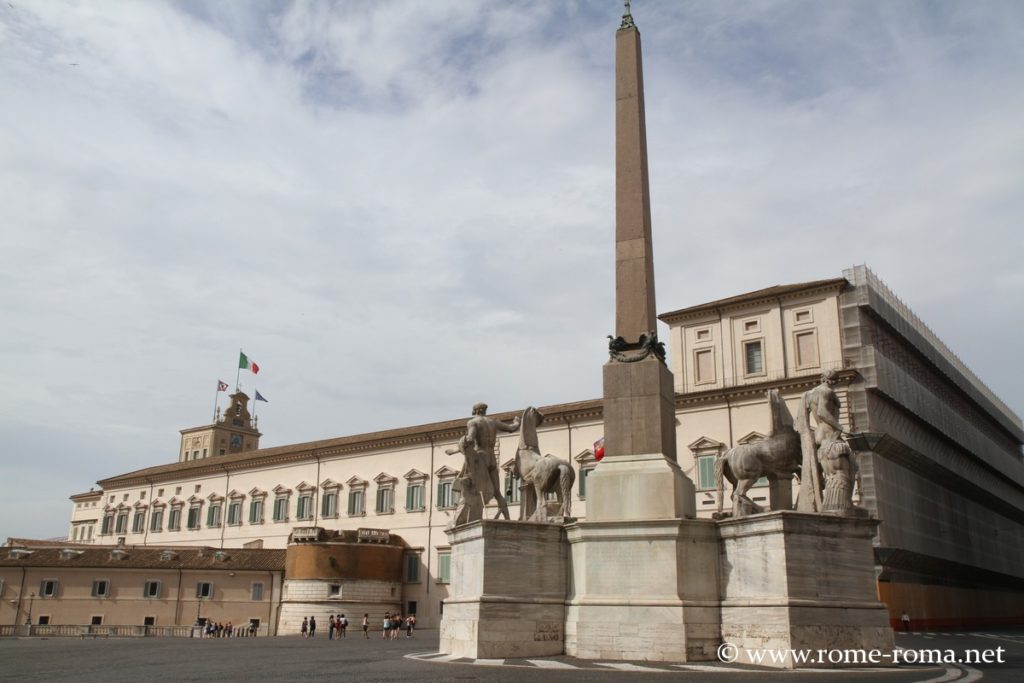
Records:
x=599, y=449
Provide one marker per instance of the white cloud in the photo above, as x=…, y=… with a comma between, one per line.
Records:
x=400, y=208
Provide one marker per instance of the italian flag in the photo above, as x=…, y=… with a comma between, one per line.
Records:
x=245, y=364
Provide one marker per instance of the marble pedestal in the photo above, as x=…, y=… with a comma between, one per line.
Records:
x=507, y=596
x=792, y=580
x=643, y=590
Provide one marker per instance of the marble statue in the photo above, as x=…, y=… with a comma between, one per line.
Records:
x=478, y=482
x=826, y=455
x=541, y=474
x=472, y=498
x=778, y=455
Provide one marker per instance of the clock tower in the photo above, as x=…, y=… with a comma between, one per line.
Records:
x=233, y=432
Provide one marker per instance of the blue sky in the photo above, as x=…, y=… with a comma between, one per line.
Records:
x=401, y=208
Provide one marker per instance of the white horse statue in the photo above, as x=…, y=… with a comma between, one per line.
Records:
x=541, y=474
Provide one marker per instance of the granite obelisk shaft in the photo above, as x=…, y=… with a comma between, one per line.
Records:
x=635, y=312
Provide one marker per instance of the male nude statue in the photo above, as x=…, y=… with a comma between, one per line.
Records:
x=834, y=454
x=482, y=434
x=823, y=404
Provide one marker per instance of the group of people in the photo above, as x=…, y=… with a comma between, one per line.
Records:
x=338, y=626
x=218, y=630
x=394, y=623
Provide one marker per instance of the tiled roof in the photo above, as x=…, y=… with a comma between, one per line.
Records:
x=140, y=557
x=449, y=429
x=766, y=293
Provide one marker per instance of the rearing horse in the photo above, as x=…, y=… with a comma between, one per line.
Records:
x=541, y=473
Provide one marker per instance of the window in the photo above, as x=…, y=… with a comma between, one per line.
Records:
x=704, y=365
x=193, y=517
x=584, y=473
x=280, y=509
x=174, y=519
x=101, y=589
x=256, y=511
x=121, y=525
x=806, y=349
x=235, y=513
x=139, y=522
x=257, y=592
x=329, y=504
x=213, y=515
x=108, y=524
x=204, y=589
x=706, y=471
x=412, y=568
x=355, y=503
x=44, y=620
x=156, y=520
x=48, y=588
x=803, y=316
x=385, y=500
x=151, y=589
x=96, y=620
x=446, y=497
x=334, y=590
x=512, y=484
x=754, y=357
x=305, y=506
x=444, y=566
x=414, y=497
x=159, y=493
x=703, y=335
x=149, y=621
x=751, y=326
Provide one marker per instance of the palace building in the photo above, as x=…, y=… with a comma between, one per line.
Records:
x=939, y=457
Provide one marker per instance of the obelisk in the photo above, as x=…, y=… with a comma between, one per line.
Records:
x=639, y=477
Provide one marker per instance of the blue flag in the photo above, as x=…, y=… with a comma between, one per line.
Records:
x=260, y=398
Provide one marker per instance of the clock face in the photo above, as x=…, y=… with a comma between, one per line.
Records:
x=236, y=441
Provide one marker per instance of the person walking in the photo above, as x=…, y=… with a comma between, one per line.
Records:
x=312, y=627
x=366, y=625
x=342, y=626
x=905, y=620
x=305, y=627
x=410, y=622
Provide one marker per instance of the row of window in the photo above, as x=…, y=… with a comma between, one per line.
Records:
x=805, y=350
x=116, y=522
x=101, y=588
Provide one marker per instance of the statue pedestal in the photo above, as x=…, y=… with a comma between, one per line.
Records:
x=643, y=590
x=507, y=596
x=800, y=581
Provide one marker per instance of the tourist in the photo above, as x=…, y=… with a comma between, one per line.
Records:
x=342, y=626
x=396, y=625
x=366, y=625
x=330, y=628
x=387, y=626
x=305, y=627
x=410, y=623
x=312, y=626
x=905, y=620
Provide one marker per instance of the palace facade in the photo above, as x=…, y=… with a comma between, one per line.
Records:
x=939, y=455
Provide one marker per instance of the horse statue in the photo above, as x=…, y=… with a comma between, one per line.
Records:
x=743, y=465
x=541, y=474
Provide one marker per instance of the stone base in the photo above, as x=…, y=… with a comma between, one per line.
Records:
x=643, y=590
x=800, y=581
x=507, y=596
x=639, y=487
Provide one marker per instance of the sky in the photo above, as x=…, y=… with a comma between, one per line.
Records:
x=398, y=209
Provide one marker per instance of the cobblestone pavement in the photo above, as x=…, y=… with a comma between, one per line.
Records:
x=290, y=658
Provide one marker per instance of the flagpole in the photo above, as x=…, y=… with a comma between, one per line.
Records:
x=254, y=402
x=238, y=374
x=215, y=399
